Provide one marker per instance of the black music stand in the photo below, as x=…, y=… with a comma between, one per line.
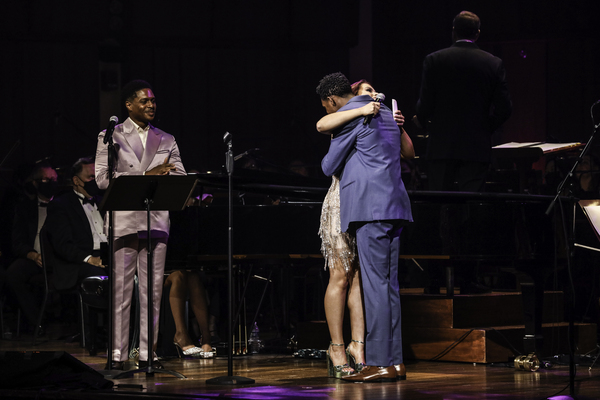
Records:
x=570, y=244
x=147, y=193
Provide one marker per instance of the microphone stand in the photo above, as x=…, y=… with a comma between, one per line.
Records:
x=230, y=379
x=112, y=155
x=570, y=243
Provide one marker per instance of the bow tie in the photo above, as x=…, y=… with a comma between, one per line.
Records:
x=42, y=204
x=89, y=201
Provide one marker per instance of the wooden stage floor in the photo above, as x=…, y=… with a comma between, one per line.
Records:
x=281, y=376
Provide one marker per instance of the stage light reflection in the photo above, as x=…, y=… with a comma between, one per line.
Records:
x=275, y=392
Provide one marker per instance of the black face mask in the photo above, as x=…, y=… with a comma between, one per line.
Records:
x=91, y=188
x=47, y=189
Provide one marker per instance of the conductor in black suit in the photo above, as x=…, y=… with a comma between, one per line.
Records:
x=464, y=98
x=75, y=230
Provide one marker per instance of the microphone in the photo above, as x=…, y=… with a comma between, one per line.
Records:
x=227, y=138
x=111, y=128
x=379, y=98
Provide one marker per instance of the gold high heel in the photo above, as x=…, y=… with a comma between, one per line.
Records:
x=337, y=371
x=352, y=360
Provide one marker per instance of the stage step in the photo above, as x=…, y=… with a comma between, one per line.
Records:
x=471, y=311
x=482, y=328
x=468, y=328
x=493, y=344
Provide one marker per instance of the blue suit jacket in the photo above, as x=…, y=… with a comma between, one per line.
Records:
x=367, y=158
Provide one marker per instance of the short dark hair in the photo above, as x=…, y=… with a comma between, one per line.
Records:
x=36, y=171
x=335, y=84
x=129, y=91
x=466, y=25
x=78, y=166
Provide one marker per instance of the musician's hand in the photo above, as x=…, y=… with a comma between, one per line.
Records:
x=371, y=108
x=97, y=261
x=399, y=118
x=162, y=169
x=35, y=257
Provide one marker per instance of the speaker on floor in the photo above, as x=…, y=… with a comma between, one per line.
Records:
x=46, y=369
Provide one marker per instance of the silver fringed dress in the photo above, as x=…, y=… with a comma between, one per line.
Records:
x=338, y=248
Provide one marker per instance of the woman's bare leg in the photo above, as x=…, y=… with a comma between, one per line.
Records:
x=199, y=306
x=357, y=317
x=177, y=297
x=335, y=302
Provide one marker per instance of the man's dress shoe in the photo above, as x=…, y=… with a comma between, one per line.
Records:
x=374, y=374
x=118, y=365
x=155, y=364
x=400, y=372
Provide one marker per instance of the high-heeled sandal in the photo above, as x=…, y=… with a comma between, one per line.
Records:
x=194, y=351
x=337, y=371
x=207, y=354
x=352, y=360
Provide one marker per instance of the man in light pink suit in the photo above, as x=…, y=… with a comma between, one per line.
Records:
x=141, y=149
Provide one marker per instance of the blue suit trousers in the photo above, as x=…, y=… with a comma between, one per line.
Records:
x=378, y=245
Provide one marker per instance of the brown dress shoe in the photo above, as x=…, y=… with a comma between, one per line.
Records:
x=373, y=374
x=400, y=372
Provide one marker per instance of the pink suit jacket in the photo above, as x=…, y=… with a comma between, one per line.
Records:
x=134, y=159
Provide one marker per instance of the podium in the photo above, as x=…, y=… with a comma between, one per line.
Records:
x=144, y=193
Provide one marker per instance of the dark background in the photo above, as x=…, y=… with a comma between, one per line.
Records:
x=251, y=68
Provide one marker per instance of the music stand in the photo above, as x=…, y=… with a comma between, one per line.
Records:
x=570, y=244
x=147, y=193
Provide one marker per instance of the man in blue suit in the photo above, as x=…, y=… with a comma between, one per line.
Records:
x=373, y=206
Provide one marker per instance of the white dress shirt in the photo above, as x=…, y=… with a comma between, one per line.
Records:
x=96, y=223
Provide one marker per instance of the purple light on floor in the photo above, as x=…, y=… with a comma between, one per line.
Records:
x=275, y=392
x=465, y=396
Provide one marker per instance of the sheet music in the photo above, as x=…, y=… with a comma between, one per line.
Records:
x=516, y=145
x=591, y=209
x=545, y=147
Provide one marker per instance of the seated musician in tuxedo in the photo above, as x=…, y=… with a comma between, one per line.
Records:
x=75, y=229
x=25, y=272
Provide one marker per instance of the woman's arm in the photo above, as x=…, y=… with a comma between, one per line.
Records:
x=337, y=119
x=407, y=149
x=406, y=145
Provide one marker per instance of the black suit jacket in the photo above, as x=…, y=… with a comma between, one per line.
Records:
x=464, y=98
x=70, y=235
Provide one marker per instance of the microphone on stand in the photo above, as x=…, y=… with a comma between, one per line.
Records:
x=111, y=128
x=227, y=138
x=379, y=98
